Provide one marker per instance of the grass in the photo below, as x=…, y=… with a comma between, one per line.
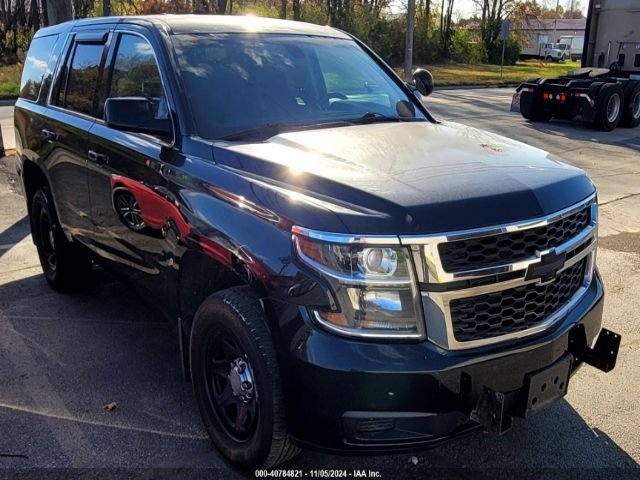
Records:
x=460, y=74
x=9, y=81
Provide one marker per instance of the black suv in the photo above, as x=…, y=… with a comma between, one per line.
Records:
x=345, y=271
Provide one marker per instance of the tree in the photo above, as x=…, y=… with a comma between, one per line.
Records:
x=446, y=26
x=493, y=12
x=82, y=8
x=59, y=11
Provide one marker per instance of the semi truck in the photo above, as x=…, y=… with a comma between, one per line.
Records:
x=605, y=92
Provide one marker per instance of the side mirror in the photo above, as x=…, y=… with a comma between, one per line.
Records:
x=423, y=81
x=135, y=114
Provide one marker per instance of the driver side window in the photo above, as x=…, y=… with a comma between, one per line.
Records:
x=135, y=74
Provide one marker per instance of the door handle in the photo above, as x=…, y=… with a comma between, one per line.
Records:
x=49, y=135
x=97, y=158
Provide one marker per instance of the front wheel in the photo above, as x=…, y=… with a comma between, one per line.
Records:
x=236, y=380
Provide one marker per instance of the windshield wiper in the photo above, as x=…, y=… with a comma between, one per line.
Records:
x=373, y=117
x=270, y=129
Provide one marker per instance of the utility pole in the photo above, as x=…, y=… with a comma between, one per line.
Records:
x=555, y=22
x=106, y=8
x=408, y=51
x=59, y=11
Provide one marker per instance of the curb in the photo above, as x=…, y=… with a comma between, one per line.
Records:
x=474, y=87
x=7, y=102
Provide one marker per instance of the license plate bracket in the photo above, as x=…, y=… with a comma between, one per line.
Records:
x=545, y=386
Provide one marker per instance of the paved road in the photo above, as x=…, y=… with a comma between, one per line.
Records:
x=62, y=358
x=6, y=125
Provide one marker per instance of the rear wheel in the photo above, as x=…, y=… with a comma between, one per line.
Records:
x=236, y=380
x=609, y=103
x=631, y=112
x=66, y=265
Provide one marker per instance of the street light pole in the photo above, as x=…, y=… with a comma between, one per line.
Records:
x=106, y=8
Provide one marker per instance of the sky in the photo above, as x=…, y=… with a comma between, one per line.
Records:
x=466, y=8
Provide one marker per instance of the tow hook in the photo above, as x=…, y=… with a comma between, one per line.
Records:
x=603, y=355
x=489, y=412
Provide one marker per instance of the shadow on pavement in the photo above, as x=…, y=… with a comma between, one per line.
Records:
x=63, y=357
x=14, y=234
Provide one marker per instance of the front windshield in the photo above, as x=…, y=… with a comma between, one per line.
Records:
x=241, y=82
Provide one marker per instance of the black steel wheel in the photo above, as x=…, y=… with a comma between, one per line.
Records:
x=66, y=265
x=236, y=380
x=232, y=389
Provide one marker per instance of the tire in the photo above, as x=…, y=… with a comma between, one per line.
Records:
x=631, y=112
x=230, y=340
x=66, y=265
x=609, y=107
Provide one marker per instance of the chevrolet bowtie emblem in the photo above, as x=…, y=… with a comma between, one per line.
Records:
x=547, y=268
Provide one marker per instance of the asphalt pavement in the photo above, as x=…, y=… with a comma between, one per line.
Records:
x=64, y=357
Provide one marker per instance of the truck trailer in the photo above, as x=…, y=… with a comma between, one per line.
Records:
x=605, y=92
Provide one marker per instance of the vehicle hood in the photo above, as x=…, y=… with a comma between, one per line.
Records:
x=410, y=177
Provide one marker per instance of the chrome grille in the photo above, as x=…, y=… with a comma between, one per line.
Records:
x=511, y=247
x=484, y=286
x=515, y=309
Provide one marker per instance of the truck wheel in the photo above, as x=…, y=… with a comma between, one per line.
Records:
x=66, y=265
x=631, y=111
x=537, y=113
x=609, y=103
x=236, y=380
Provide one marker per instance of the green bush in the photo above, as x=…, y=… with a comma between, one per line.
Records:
x=464, y=50
x=511, y=52
x=9, y=90
x=314, y=12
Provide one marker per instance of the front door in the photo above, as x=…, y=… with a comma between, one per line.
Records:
x=131, y=207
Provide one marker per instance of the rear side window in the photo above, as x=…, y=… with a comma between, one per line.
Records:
x=35, y=66
x=83, y=78
x=136, y=74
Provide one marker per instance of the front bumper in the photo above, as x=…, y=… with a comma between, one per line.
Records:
x=361, y=397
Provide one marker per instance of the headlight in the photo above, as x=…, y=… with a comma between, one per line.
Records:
x=373, y=285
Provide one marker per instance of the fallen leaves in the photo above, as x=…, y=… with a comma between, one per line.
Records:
x=110, y=407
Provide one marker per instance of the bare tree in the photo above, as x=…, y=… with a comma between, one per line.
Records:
x=492, y=14
x=59, y=11
x=82, y=8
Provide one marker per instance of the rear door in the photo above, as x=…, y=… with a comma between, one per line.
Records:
x=30, y=108
x=134, y=214
x=69, y=116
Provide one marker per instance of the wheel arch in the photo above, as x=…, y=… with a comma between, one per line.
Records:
x=200, y=276
x=33, y=178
